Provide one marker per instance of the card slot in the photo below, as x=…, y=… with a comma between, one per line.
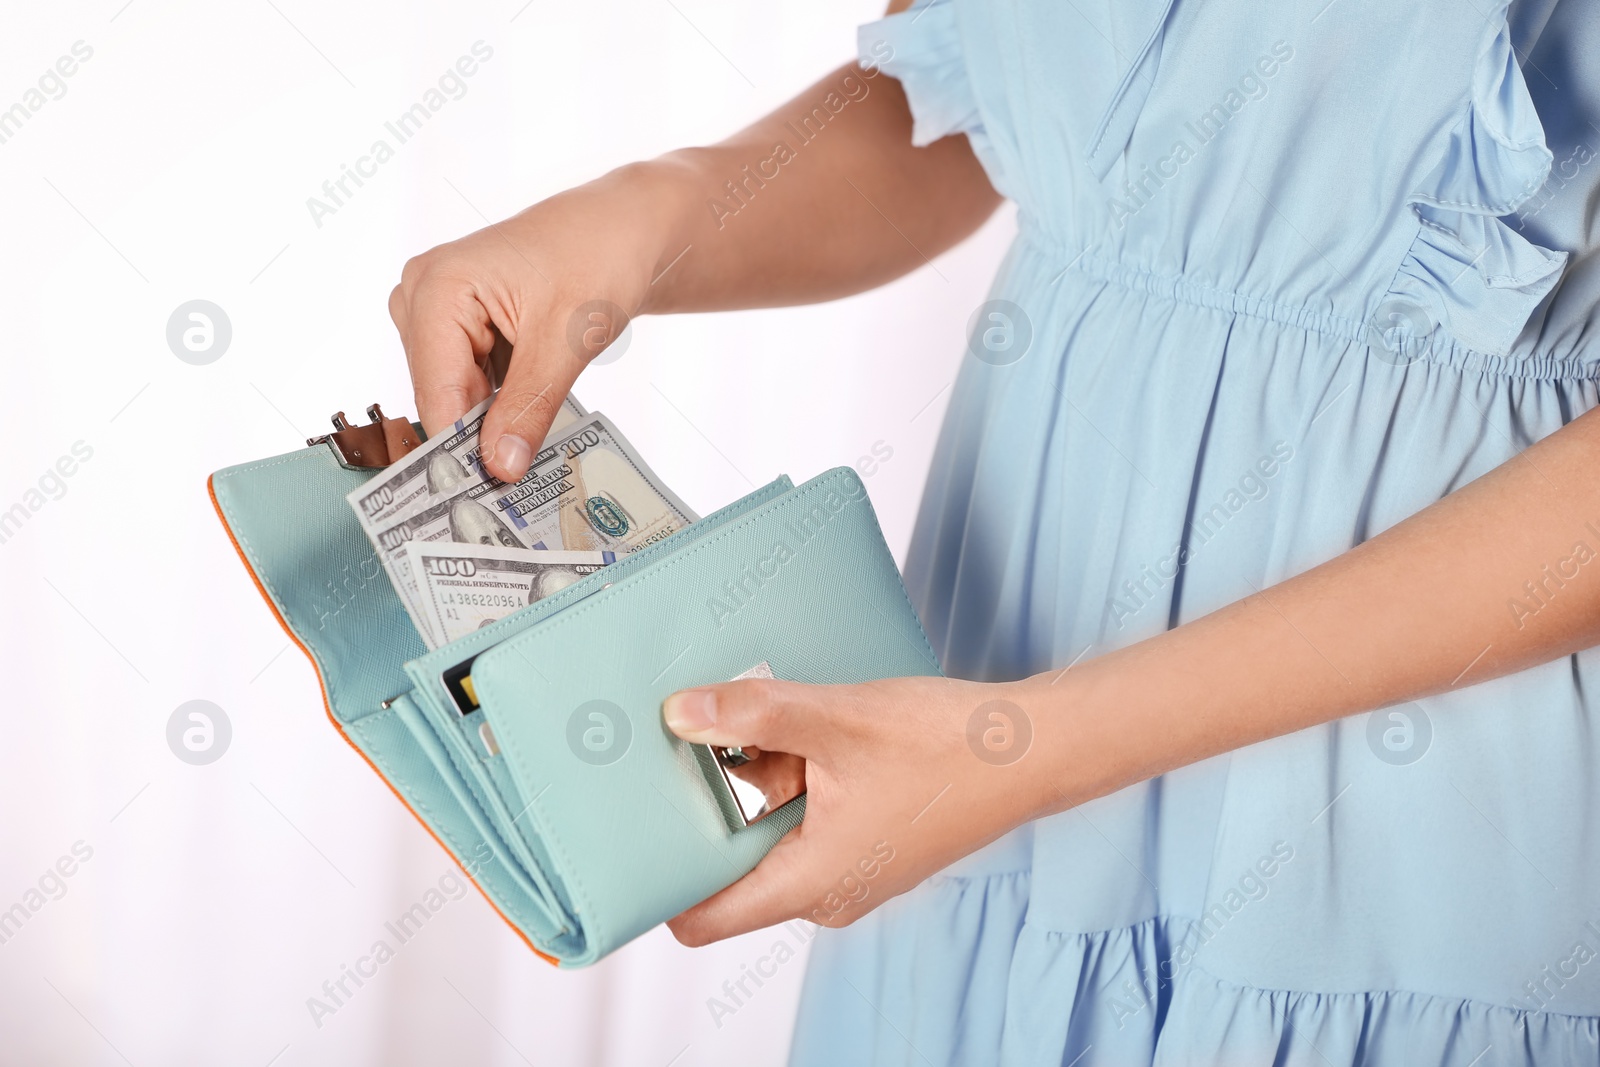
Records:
x=524, y=870
x=495, y=792
x=391, y=747
x=500, y=794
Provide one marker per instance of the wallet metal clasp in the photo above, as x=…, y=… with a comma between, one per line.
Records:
x=762, y=783
x=377, y=444
x=759, y=783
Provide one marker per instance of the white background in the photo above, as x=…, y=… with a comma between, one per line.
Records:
x=177, y=166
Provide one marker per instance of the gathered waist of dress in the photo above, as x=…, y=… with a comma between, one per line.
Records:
x=1576, y=361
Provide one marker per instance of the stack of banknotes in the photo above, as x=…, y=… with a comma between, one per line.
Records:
x=464, y=549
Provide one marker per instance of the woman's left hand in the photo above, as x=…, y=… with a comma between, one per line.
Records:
x=906, y=776
x=903, y=777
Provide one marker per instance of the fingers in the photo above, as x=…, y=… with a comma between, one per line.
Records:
x=773, y=715
x=541, y=373
x=766, y=896
x=821, y=875
x=443, y=335
x=537, y=381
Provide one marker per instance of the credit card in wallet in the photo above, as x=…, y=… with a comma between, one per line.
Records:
x=458, y=683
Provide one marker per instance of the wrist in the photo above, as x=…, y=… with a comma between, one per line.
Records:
x=658, y=198
x=1084, y=745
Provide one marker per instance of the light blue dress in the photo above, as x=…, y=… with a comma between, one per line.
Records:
x=1288, y=272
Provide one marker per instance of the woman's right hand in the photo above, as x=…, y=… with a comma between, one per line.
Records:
x=559, y=281
x=773, y=217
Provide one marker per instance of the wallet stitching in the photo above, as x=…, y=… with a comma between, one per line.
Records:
x=413, y=795
x=244, y=539
x=489, y=638
x=552, y=838
x=700, y=546
x=475, y=787
x=293, y=457
x=514, y=748
x=260, y=574
x=571, y=872
x=575, y=883
x=360, y=726
x=429, y=811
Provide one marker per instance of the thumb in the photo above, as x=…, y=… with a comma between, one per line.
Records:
x=538, y=380
x=770, y=715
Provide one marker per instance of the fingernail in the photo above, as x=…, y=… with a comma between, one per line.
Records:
x=512, y=454
x=691, y=711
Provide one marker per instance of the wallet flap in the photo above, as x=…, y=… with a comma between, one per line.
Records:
x=804, y=582
x=305, y=549
x=302, y=545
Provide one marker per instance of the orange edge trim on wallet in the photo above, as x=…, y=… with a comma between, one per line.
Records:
x=211, y=491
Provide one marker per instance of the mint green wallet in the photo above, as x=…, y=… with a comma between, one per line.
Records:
x=533, y=750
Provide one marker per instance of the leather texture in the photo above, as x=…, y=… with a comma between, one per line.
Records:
x=580, y=851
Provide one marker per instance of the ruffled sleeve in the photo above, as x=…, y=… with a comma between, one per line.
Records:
x=1474, y=274
x=1497, y=156
x=921, y=48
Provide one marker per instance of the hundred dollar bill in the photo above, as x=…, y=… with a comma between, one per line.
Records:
x=463, y=588
x=590, y=491
x=440, y=467
x=586, y=491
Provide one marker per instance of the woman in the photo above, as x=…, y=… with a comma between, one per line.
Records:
x=1276, y=418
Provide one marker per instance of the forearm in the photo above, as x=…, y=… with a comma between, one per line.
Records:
x=1424, y=607
x=823, y=198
